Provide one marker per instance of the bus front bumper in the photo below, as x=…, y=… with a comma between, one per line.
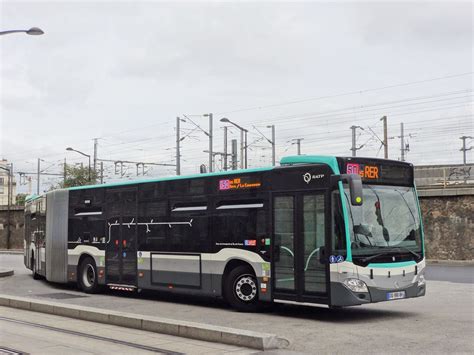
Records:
x=342, y=296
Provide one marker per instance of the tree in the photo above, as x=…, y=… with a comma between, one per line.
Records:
x=20, y=199
x=77, y=175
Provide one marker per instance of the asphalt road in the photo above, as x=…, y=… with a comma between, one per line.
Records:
x=441, y=322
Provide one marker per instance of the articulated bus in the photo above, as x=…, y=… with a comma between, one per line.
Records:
x=316, y=230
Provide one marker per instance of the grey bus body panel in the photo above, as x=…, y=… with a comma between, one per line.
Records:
x=56, y=235
x=196, y=273
x=383, y=280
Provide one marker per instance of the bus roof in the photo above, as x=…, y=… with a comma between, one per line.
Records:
x=170, y=178
x=297, y=159
x=33, y=197
x=330, y=160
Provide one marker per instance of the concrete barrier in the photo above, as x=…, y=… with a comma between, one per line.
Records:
x=231, y=336
x=6, y=272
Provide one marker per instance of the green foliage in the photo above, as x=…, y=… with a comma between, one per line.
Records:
x=78, y=175
x=20, y=199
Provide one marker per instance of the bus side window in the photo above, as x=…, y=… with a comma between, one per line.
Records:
x=241, y=222
x=152, y=235
x=191, y=231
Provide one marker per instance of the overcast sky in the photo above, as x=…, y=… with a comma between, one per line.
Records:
x=123, y=71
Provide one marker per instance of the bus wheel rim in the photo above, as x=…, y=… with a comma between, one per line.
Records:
x=88, y=277
x=246, y=288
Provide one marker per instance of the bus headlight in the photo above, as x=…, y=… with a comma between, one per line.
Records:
x=421, y=281
x=356, y=285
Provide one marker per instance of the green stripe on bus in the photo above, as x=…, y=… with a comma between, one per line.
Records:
x=421, y=222
x=390, y=265
x=171, y=178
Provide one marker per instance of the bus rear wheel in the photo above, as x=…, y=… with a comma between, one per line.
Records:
x=241, y=289
x=87, y=276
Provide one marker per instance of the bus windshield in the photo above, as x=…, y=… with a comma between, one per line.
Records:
x=388, y=221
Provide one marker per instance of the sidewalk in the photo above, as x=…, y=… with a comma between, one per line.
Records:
x=183, y=329
x=11, y=251
x=52, y=334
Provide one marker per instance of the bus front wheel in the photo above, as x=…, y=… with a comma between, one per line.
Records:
x=241, y=289
x=87, y=276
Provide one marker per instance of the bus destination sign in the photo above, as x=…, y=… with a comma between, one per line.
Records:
x=364, y=170
x=377, y=171
x=240, y=183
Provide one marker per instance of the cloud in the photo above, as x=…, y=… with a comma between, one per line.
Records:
x=436, y=25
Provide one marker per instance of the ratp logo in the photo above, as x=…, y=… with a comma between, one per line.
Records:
x=307, y=177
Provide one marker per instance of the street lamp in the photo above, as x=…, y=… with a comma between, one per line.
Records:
x=84, y=154
x=243, y=146
x=33, y=31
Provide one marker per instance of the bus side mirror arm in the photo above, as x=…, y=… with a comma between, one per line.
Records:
x=355, y=186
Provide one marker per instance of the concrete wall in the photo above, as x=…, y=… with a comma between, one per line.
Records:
x=448, y=218
x=16, y=227
x=444, y=175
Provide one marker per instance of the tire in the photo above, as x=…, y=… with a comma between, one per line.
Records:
x=87, y=276
x=241, y=289
x=36, y=276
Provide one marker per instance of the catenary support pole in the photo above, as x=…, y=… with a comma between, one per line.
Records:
x=96, y=143
x=178, y=151
x=241, y=149
x=402, y=143
x=210, y=145
x=353, y=149
x=273, y=145
x=246, y=150
x=385, y=136
x=225, y=148
x=38, y=173
x=234, y=154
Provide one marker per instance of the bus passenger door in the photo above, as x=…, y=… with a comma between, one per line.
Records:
x=300, y=244
x=121, y=248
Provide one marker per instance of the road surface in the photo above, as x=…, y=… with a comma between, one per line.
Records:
x=439, y=323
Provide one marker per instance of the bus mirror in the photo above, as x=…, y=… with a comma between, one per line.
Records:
x=355, y=188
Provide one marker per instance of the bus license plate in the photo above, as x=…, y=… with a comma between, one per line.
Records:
x=395, y=295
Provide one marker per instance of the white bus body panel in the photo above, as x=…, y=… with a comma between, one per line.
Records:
x=56, y=235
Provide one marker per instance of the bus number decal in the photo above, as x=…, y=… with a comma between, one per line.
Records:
x=365, y=171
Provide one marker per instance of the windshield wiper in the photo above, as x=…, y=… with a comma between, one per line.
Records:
x=368, y=258
x=390, y=252
x=418, y=256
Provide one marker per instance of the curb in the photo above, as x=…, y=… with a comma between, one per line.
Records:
x=11, y=251
x=231, y=336
x=6, y=272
